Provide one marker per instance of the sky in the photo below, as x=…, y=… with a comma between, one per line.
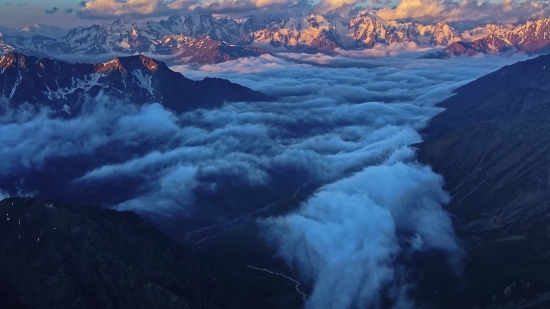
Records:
x=70, y=13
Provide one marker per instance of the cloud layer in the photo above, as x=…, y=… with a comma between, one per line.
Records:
x=107, y=9
x=347, y=238
x=342, y=122
x=429, y=11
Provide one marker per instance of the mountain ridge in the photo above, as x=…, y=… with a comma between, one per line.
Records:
x=138, y=79
x=529, y=37
x=186, y=38
x=491, y=146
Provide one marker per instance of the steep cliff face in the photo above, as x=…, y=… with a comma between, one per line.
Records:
x=492, y=146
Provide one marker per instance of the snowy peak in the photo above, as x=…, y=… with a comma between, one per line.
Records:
x=531, y=37
x=368, y=30
x=65, y=87
x=17, y=60
x=10, y=59
x=131, y=63
x=202, y=39
x=44, y=30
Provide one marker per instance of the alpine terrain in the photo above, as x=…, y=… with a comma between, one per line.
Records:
x=64, y=87
x=203, y=39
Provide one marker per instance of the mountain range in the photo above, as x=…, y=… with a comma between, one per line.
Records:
x=64, y=86
x=202, y=39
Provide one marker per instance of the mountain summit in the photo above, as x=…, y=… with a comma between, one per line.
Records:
x=137, y=79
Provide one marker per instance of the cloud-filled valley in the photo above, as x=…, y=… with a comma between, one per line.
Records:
x=343, y=124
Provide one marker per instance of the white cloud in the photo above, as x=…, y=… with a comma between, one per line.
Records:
x=126, y=8
x=345, y=237
x=144, y=8
x=430, y=11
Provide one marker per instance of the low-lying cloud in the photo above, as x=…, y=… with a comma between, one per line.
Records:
x=346, y=237
x=343, y=123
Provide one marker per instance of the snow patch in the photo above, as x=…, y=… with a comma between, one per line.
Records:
x=144, y=80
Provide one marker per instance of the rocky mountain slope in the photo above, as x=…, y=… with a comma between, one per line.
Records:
x=491, y=145
x=137, y=79
x=55, y=256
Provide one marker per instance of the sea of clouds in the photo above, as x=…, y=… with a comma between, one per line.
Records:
x=344, y=123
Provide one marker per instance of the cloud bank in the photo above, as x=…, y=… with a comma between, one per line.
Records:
x=108, y=9
x=344, y=123
x=348, y=238
x=507, y=11
x=428, y=11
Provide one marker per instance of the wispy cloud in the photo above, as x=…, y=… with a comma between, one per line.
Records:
x=52, y=10
x=68, y=11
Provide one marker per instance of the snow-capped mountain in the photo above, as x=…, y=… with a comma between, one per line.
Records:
x=37, y=29
x=6, y=48
x=162, y=38
x=138, y=79
x=206, y=39
x=531, y=37
x=318, y=32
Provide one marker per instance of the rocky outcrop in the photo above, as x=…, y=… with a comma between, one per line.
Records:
x=489, y=44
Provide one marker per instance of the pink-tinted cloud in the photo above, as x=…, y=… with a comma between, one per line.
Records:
x=428, y=11
x=507, y=11
x=108, y=9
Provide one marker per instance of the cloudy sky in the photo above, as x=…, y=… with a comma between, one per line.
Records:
x=70, y=13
